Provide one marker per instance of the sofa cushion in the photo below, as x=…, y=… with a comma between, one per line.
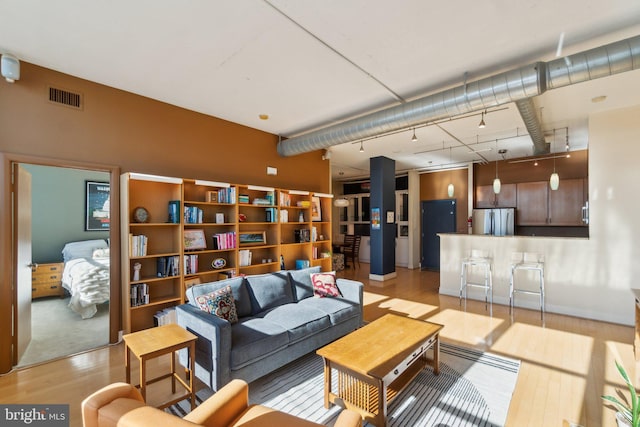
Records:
x=220, y=303
x=301, y=282
x=338, y=309
x=238, y=288
x=300, y=322
x=253, y=338
x=324, y=285
x=269, y=290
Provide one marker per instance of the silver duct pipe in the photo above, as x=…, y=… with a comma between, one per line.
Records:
x=499, y=89
x=510, y=86
x=532, y=123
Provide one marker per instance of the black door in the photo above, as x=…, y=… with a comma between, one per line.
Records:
x=438, y=216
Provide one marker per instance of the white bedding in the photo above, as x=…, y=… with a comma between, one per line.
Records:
x=87, y=280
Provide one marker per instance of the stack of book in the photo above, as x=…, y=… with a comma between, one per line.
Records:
x=192, y=215
x=165, y=317
x=139, y=294
x=223, y=241
x=138, y=245
x=168, y=266
x=190, y=264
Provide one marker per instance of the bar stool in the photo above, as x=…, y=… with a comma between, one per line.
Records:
x=527, y=261
x=479, y=259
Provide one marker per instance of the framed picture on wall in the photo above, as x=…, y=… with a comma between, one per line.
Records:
x=97, y=206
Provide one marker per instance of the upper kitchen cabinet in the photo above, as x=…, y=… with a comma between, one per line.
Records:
x=565, y=203
x=486, y=198
x=533, y=203
x=539, y=205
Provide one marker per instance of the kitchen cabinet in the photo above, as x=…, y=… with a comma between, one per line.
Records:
x=533, y=203
x=486, y=198
x=565, y=203
x=538, y=205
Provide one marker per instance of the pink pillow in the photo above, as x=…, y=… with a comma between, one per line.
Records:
x=220, y=303
x=324, y=284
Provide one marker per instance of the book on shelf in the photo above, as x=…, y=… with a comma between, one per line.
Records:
x=243, y=198
x=223, y=241
x=227, y=195
x=285, y=199
x=165, y=317
x=139, y=294
x=138, y=245
x=193, y=215
x=284, y=215
x=190, y=264
x=244, y=257
x=168, y=266
x=271, y=215
x=174, y=209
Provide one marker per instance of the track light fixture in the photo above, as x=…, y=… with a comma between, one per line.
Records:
x=482, y=125
x=414, y=138
x=361, y=147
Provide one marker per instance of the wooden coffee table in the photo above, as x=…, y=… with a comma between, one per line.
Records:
x=154, y=342
x=376, y=362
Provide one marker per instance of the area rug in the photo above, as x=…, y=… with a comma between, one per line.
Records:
x=474, y=388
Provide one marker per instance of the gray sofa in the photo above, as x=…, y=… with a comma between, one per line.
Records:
x=279, y=320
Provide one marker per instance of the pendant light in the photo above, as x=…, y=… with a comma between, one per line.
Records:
x=554, y=181
x=496, y=182
x=482, y=125
x=414, y=138
x=361, y=147
x=450, y=187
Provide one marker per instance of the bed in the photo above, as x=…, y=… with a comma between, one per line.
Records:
x=86, y=275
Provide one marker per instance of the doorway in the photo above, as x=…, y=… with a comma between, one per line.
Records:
x=9, y=322
x=65, y=316
x=437, y=216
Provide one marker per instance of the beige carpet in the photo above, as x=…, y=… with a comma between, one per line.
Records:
x=56, y=331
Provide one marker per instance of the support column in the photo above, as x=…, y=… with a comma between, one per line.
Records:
x=383, y=229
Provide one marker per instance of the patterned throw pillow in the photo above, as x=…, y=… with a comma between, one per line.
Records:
x=324, y=284
x=220, y=303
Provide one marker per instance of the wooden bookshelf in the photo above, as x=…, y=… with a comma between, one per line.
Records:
x=163, y=241
x=233, y=220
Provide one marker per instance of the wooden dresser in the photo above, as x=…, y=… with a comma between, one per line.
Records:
x=46, y=280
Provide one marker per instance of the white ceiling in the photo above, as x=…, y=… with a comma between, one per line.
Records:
x=310, y=63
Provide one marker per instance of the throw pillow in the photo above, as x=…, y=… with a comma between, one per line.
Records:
x=324, y=284
x=220, y=303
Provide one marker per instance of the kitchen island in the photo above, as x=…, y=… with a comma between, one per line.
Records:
x=576, y=281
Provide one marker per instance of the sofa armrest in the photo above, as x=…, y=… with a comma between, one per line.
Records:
x=353, y=291
x=348, y=418
x=224, y=407
x=213, y=346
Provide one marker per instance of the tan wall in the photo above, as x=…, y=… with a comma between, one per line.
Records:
x=142, y=135
x=433, y=186
x=121, y=130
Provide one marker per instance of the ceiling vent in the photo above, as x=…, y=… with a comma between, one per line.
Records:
x=64, y=97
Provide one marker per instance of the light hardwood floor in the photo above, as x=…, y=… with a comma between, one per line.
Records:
x=567, y=362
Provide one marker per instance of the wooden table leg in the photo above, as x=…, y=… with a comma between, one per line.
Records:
x=127, y=364
x=436, y=355
x=143, y=378
x=173, y=372
x=327, y=382
x=192, y=367
x=381, y=418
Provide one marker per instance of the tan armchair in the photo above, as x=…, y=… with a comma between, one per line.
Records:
x=121, y=405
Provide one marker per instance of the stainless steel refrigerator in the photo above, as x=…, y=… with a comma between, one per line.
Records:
x=495, y=222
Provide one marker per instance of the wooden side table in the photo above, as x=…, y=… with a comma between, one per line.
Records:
x=154, y=342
